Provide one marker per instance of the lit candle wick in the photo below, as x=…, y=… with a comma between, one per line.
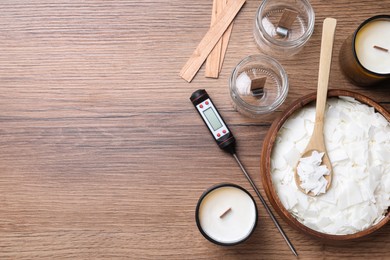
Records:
x=226, y=212
x=381, y=48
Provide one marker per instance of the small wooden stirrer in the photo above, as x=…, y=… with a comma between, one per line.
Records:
x=286, y=21
x=210, y=39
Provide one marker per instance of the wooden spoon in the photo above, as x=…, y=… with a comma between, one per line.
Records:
x=316, y=142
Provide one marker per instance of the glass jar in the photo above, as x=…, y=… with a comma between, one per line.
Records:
x=271, y=95
x=266, y=30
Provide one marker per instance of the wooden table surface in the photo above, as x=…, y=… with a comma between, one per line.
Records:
x=102, y=153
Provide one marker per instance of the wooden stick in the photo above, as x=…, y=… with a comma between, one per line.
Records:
x=215, y=59
x=212, y=62
x=381, y=48
x=225, y=39
x=210, y=39
x=226, y=212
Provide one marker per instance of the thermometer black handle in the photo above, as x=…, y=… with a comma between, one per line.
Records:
x=213, y=120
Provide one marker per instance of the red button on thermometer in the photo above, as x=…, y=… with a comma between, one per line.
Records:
x=225, y=140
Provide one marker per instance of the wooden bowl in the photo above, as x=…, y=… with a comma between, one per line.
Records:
x=265, y=167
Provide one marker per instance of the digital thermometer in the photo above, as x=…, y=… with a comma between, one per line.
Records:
x=225, y=140
x=213, y=120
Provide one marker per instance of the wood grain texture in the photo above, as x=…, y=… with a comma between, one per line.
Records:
x=103, y=155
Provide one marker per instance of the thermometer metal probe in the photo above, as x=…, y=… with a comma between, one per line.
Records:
x=226, y=141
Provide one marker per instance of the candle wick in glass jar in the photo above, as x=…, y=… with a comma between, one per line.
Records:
x=257, y=86
x=381, y=48
x=286, y=21
x=226, y=212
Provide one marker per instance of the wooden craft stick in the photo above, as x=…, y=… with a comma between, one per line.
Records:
x=212, y=62
x=225, y=39
x=210, y=39
x=381, y=48
x=215, y=59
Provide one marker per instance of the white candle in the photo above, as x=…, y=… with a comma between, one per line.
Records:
x=227, y=214
x=374, y=33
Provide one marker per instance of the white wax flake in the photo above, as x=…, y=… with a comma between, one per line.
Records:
x=356, y=133
x=357, y=151
x=381, y=137
x=301, y=144
x=296, y=128
x=380, y=121
x=337, y=155
x=243, y=84
x=337, y=136
x=329, y=197
x=282, y=147
x=350, y=194
x=330, y=127
x=386, y=182
x=283, y=176
x=345, y=117
x=303, y=200
x=314, y=159
x=358, y=143
x=358, y=172
x=292, y=156
x=375, y=177
x=333, y=113
x=367, y=192
x=289, y=197
x=295, y=135
x=382, y=152
x=324, y=222
x=311, y=172
x=309, y=126
x=278, y=164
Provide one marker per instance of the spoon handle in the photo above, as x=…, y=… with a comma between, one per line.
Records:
x=328, y=31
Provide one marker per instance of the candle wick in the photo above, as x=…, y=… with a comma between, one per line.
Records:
x=226, y=212
x=381, y=48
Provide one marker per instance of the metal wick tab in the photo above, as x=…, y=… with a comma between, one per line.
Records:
x=257, y=86
x=286, y=21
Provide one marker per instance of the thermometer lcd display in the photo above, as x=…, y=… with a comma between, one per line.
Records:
x=212, y=118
